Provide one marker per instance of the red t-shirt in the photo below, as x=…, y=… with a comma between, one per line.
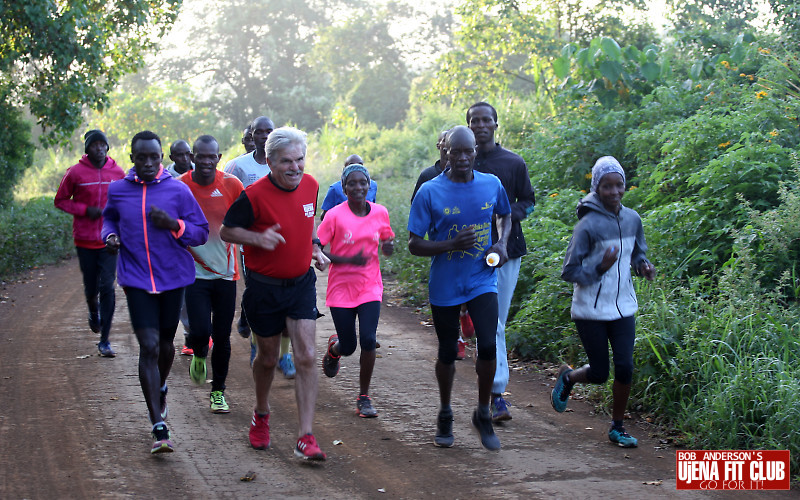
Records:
x=261, y=206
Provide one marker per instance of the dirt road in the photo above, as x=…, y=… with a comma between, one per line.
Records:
x=74, y=425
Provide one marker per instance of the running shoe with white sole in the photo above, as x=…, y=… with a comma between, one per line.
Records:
x=330, y=363
x=259, y=431
x=198, y=370
x=162, y=442
x=622, y=438
x=308, y=449
x=365, y=408
x=218, y=403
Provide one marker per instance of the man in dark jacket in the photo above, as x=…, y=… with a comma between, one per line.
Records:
x=510, y=168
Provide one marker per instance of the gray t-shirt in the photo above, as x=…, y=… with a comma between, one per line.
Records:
x=246, y=168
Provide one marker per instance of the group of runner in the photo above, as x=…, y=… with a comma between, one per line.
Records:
x=182, y=237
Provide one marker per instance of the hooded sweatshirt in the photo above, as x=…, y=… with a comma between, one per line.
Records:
x=152, y=258
x=85, y=186
x=610, y=295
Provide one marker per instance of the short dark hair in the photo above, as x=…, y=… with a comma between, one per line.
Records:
x=144, y=135
x=478, y=105
x=205, y=139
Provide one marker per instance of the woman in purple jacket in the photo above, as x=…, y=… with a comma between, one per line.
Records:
x=150, y=218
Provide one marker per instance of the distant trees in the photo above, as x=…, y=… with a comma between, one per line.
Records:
x=365, y=67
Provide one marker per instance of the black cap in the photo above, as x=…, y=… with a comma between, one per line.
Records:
x=93, y=136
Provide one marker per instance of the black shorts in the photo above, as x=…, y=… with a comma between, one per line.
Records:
x=269, y=301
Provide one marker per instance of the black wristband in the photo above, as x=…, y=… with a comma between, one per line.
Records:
x=315, y=241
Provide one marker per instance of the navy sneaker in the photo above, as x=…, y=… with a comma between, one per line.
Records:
x=105, y=349
x=489, y=439
x=560, y=393
x=444, y=429
x=500, y=411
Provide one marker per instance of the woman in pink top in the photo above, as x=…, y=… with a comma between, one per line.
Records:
x=354, y=231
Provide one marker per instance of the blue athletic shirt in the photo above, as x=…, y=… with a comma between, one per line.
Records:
x=440, y=209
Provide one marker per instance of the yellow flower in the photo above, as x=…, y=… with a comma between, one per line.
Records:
x=726, y=64
x=553, y=195
x=724, y=144
x=699, y=86
x=742, y=75
x=763, y=51
x=751, y=77
x=774, y=133
x=588, y=176
x=631, y=188
x=583, y=191
x=761, y=94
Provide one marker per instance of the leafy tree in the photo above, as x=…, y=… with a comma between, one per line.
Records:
x=57, y=57
x=730, y=15
x=506, y=46
x=365, y=67
x=253, y=59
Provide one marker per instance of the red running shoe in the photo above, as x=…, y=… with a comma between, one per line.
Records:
x=467, y=328
x=185, y=351
x=307, y=449
x=462, y=349
x=259, y=431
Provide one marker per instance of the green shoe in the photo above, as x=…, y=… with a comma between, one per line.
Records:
x=218, y=404
x=197, y=370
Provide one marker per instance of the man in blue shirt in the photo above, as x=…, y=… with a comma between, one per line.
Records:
x=456, y=210
x=335, y=194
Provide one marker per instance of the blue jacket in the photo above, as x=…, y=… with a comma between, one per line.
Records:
x=608, y=296
x=152, y=258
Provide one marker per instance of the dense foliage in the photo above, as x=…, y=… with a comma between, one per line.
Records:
x=57, y=57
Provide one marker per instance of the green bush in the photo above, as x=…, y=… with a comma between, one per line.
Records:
x=33, y=234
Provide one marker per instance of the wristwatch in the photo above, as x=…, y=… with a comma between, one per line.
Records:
x=315, y=241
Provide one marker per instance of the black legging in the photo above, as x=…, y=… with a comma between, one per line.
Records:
x=596, y=335
x=344, y=319
x=211, y=305
x=483, y=311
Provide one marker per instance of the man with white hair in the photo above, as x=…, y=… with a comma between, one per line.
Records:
x=274, y=219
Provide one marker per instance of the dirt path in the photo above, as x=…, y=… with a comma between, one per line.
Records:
x=74, y=425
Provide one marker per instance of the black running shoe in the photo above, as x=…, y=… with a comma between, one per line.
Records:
x=444, y=429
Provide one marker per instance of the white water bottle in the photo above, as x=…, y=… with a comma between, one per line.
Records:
x=492, y=259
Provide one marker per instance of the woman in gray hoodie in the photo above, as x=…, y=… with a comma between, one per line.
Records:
x=607, y=242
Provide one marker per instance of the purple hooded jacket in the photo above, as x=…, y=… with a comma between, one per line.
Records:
x=152, y=258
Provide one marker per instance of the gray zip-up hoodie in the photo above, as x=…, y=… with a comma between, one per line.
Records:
x=607, y=296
